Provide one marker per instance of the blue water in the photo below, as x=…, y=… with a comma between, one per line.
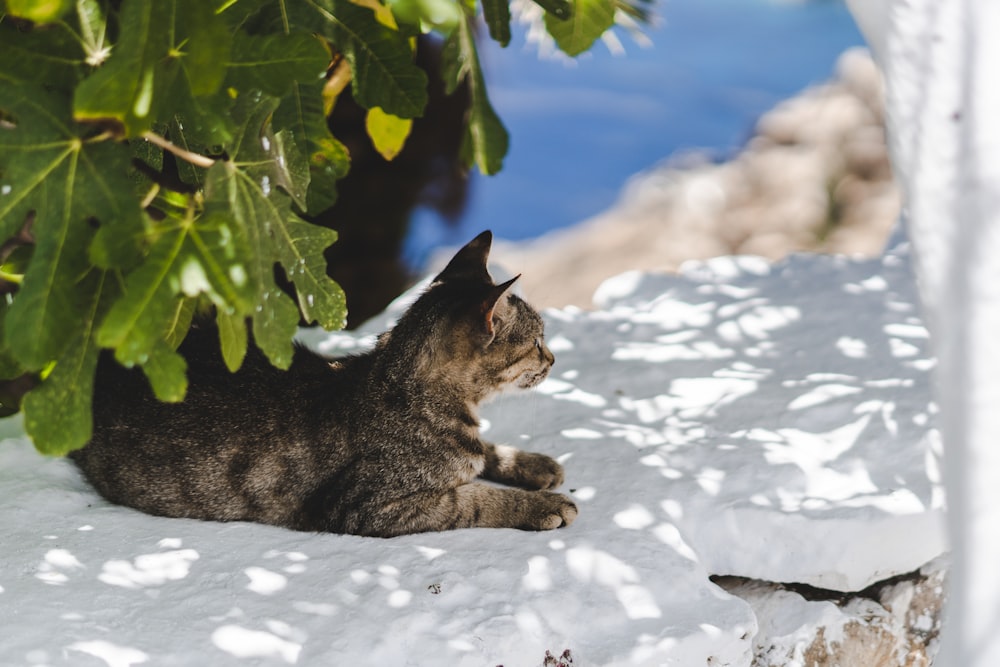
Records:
x=579, y=131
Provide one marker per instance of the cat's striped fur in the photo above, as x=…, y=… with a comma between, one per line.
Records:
x=384, y=443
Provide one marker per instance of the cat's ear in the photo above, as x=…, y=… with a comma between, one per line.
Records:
x=469, y=263
x=488, y=308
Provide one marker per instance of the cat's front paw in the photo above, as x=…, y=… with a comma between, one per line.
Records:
x=552, y=510
x=527, y=470
x=537, y=471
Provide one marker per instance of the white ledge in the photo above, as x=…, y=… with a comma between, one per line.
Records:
x=744, y=419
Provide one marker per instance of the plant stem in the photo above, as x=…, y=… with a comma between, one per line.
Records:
x=15, y=278
x=150, y=196
x=194, y=158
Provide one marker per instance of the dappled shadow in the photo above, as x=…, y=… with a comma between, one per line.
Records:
x=787, y=409
x=744, y=419
x=91, y=583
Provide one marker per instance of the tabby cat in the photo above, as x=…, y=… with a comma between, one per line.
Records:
x=384, y=443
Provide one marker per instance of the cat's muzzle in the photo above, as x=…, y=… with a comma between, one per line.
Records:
x=530, y=379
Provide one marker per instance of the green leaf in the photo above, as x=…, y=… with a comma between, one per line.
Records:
x=190, y=257
x=52, y=55
x=381, y=59
x=232, y=339
x=200, y=47
x=486, y=141
x=322, y=190
x=9, y=366
x=147, y=161
x=149, y=153
x=161, y=42
x=274, y=234
x=199, y=124
x=57, y=413
x=231, y=192
x=39, y=11
x=301, y=111
x=216, y=264
x=497, y=16
x=188, y=101
x=271, y=159
x=387, y=132
x=300, y=250
x=167, y=373
x=180, y=322
x=71, y=186
x=384, y=13
x=560, y=9
x=123, y=89
x=441, y=15
x=190, y=174
x=454, y=64
x=590, y=20
x=271, y=63
x=93, y=30
x=48, y=306
x=118, y=245
x=274, y=325
x=237, y=12
x=137, y=320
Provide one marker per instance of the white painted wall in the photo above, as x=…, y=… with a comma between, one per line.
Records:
x=940, y=59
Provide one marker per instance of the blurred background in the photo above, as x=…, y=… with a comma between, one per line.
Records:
x=738, y=126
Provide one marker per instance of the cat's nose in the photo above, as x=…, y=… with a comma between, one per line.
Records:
x=547, y=355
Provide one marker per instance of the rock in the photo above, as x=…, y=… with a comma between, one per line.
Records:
x=817, y=117
x=866, y=154
x=857, y=71
x=891, y=624
x=770, y=245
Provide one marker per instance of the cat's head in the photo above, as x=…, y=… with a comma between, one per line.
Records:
x=475, y=333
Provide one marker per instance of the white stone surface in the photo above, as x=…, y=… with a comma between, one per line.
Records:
x=943, y=108
x=744, y=419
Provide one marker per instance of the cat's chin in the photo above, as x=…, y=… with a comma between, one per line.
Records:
x=528, y=381
x=516, y=386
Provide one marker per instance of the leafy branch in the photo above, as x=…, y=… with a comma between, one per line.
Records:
x=157, y=158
